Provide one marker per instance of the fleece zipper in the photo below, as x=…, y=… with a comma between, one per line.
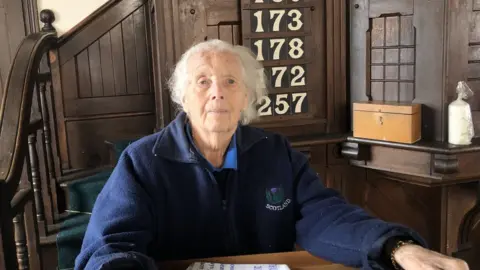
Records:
x=230, y=199
x=227, y=213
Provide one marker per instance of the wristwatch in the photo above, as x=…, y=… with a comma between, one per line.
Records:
x=397, y=246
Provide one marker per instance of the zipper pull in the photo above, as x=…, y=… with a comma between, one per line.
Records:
x=224, y=204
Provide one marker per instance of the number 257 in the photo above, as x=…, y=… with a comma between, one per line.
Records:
x=282, y=104
x=276, y=1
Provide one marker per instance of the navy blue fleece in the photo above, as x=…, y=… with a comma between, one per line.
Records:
x=163, y=203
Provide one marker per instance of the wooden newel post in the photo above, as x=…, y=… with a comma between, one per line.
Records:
x=47, y=17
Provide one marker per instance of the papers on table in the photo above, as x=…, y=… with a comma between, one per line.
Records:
x=226, y=266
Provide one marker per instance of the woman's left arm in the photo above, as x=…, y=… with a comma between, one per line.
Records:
x=329, y=227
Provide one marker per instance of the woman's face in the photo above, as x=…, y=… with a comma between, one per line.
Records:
x=216, y=94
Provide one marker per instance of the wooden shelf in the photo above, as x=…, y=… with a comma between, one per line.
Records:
x=424, y=146
x=422, y=163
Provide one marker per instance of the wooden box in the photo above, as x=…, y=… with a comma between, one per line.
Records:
x=387, y=121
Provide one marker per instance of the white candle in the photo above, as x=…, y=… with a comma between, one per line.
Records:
x=459, y=123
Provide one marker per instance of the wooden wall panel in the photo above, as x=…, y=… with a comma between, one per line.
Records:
x=394, y=201
x=182, y=23
x=118, y=62
x=468, y=58
x=226, y=32
x=18, y=18
x=86, y=140
x=392, y=61
x=106, y=76
x=402, y=45
x=416, y=51
x=460, y=200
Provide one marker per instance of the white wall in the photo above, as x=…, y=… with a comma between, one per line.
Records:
x=69, y=13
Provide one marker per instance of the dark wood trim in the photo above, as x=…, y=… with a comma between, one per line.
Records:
x=85, y=22
x=456, y=50
x=445, y=164
x=101, y=22
x=35, y=126
x=107, y=116
x=57, y=106
x=424, y=146
x=19, y=112
x=30, y=14
x=303, y=141
x=7, y=248
x=470, y=255
x=414, y=167
x=18, y=19
x=21, y=198
x=67, y=179
x=17, y=102
x=336, y=67
x=167, y=52
x=355, y=151
x=469, y=223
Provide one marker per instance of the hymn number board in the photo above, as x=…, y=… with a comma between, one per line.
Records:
x=279, y=33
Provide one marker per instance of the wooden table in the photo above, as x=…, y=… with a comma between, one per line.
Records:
x=297, y=260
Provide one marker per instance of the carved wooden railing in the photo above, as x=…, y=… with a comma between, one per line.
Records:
x=25, y=114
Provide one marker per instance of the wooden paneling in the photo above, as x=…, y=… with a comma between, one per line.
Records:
x=106, y=61
x=83, y=71
x=337, y=177
x=289, y=41
x=392, y=58
x=379, y=7
x=416, y=207
x=422, y=164
x=86, y=140
x=416, y=51
x=115, y=64
x=163, y=51
x=18, y=18
x=467, y=34
x=336, y=66
x=118, y=62
x=109, y=105
x=178, y=24
x=401, y=44
x=104, y=73
x=130, y=55
x=437, y=213
x=458, y=50
x=90, y=30
x=461, y=199
x=395, y=160
x=222, y=11
x=226, y=32
x=186, y=22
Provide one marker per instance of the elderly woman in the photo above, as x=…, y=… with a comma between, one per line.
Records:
x=210, y=185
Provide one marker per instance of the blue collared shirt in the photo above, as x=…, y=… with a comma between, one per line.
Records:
x=230, y=161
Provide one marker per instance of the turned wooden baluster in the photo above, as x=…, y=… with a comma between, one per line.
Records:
x=21, y=241
x=47, y=137
x=36, y=183
x=48, y=17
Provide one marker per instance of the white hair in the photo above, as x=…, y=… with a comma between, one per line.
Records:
x=252, y=71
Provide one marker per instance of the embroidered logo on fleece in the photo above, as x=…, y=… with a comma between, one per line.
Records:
x=275, y=198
